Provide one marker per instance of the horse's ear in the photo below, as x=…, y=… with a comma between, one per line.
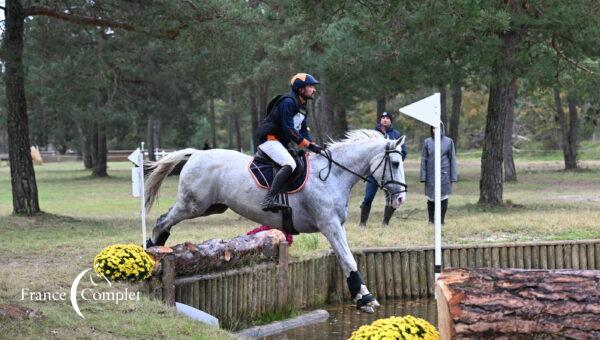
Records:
x=400, y=141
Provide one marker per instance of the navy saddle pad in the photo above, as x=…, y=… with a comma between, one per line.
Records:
x=262, y=169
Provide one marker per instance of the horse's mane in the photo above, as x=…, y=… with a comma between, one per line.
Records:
x=357, y=136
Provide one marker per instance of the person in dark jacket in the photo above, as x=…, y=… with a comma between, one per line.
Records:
x=387, y=129
x=285, y=123
x=449, y=171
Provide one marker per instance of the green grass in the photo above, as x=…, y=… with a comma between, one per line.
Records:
x=84, y=214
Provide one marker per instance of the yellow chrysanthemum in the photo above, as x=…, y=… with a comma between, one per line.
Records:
x=407, y=327
x=124, y=262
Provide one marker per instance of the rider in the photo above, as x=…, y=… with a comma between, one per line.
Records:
x=385, y=127
x=284, y=123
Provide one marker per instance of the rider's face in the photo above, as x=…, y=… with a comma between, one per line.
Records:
x=309, y=91
x=385, y=121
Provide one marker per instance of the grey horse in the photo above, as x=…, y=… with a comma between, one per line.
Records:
x=214, y=180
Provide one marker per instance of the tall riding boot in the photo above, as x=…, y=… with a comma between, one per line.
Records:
x=365, y=210
x=270, y=201
x=430, y=210
x=387, y=214
x=444, y=209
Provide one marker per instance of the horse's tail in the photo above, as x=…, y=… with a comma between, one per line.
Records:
x=159, y=170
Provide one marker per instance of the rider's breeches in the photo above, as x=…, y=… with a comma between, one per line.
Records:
x=370, y=191
x=278, y=153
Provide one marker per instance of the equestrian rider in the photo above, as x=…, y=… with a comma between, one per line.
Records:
x=387, y=129
x=286, y=122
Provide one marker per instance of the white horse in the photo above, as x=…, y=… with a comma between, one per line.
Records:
x=214, y=180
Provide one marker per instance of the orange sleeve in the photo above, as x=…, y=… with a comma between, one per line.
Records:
x=304, y=143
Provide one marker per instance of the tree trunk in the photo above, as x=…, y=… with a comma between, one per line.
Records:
x=327, y=114
x=565, y=128
x=253, y=117
x=100, y=152
x=86, y=144
x=487, y=303
x=510, y=173
x=491, y=182
x=24, y=186
x=217, y=254
x=213, y=121
x=572, y=135
x=381, y=103
x=341, y=123
x=456, y=93
x=150, y=138
x=443, y=114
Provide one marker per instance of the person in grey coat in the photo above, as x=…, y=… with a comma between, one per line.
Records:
x=449, y=172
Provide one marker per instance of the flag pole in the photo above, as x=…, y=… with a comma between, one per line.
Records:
x=142, y=195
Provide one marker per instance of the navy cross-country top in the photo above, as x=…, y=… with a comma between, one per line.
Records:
x=286, y=122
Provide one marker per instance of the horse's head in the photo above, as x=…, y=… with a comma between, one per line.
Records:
x=388, y=170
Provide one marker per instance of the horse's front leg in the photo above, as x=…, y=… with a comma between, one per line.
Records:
x=336, y=235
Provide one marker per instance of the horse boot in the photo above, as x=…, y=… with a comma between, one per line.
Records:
x=270, y=203
x=430, y=210
x=387, y=215
x=365, y=210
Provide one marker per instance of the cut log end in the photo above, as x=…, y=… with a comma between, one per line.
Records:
x=491, y=303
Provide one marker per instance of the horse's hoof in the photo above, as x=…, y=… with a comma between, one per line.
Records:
x=367, y=309
x=149, y=243
x=367, y=303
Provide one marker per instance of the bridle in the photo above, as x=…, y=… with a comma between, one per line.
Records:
x=385, y=162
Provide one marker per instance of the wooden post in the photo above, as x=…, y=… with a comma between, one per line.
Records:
x=282, y=275
x=168, y=280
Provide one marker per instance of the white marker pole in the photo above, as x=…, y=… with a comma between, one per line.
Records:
x=438, y=202
x=142, y=195
x=428, y=110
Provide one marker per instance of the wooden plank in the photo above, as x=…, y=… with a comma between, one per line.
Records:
x=552, y=256
x=414, y=279
x=496, y=257
x=527, y=257
x=512, y=257
x=311, y=282
x=380, y=276
x=445, y=323
x=471, y=258
x=371, y=279
x=575, y=256
x=535, y=257
x=283, y=275
x=195, y=295
x=235, y=301
x=446, y=258
x=567, y=257
x=455, y=258
x=597, y=255
x=591, y=257
x=583, y=263
x=389, y=275
x=487, y=257
x=544, y=257
x=479, y=261
x=168, y=280
x=406, y=289
x=430, y=259
x=462, y=254
x=397, y=268
x=520, y=261
x=504, y=263
x=422, y=270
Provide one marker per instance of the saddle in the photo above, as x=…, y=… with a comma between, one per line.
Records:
x=263, y=169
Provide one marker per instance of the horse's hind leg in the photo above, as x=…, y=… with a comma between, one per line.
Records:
x=176, y=214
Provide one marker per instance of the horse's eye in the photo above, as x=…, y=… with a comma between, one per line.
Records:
x=396, y=164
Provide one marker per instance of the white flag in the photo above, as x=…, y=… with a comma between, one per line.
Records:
x=426, y=110
x=136, y=185
x=135, y=157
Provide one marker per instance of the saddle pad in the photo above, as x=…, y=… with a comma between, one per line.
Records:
x=264, y=172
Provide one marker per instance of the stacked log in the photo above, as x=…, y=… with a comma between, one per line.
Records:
x=512, y=303
x=217, y=254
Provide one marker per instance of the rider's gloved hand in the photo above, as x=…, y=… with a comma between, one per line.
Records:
x=315, y=148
